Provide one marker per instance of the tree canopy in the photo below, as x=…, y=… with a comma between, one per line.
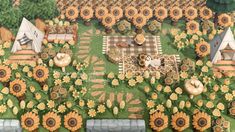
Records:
x=44, y=9
x=221, y=6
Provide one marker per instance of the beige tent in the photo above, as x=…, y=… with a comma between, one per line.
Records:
x=28, y=34
x=223, y=46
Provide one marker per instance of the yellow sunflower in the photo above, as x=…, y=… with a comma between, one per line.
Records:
x=72, y=12
x=139, y=20
x=160, y=13
x=86, y=12
x=117, y=12
x=176, y=13
x=190, y=13
x=17, y=87
x=158, y=121
x=108, y=20
x=40, y=73
x=225, y=20
x=180, y=121
x=72, y=121
x=202, y=49
x=100, y=12
x=201, y=121
x=192, y=27
x=5, y=73
x=30, y=121
x=51, y=121
x=130, y=12
x=147, y=12
x=205, y=13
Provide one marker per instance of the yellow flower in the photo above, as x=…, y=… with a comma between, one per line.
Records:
x=206, y=80
x=212, y=96
x=216, y=87
x=200, y=102
x=154, y=96
x=111, y=75
x=14, y=66
x=228, y=97
x=32, y=89
x=182, y=104
x=199, y=63
x=78, y=82
x=66, y=79
x=150, y=103
x=26, y=69
x=75, y=94
x=81, y=103
x=210, y=104
x=160, y=108
x=220, y=106
x=84, y=90
x=159, y=87
x=58, y=82
x=45, y=87
x=121, y=76
x=92, y=113
x=30, y=74
x=38, y=96
x=90, y=104
x=209, y=63
x=69, y=104
x=101, y=109
x=139, y=79
x=3, y=108
x=204, y=69
x=62, y=108
x=188, y=104
x=74, y=75
x=30, y=104
x=41, y=106
x=129, y=75
x=173, y=96
x=184, y=75
x=56, y=74
x=132, y=82
x=84, y=76
x=146, y=89
x=178, y=90
x=115, y=82
x=167, y=89
x=227, y=81
x=50, y=104
x=224, y=88
x=216, y=112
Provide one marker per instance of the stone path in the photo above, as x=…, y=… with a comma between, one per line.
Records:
x=23, y=56
x=225, y=66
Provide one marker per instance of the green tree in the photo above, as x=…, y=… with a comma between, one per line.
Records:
x=221, y=6
x=44, y=9
x=5, y=4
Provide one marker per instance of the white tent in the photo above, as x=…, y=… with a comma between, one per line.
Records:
x=223, y=46
x=32, y=33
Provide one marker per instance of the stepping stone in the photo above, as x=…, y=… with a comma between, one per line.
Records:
x=84, y=47
x=82, y=56
x=102, y=98
x=111, y=97
x=119, y=97
x=97, y=86
x=90, y=31
x=101, y=62
x=21, y=61
x=84, y=42
x=83, y=51
x=87, y=60
x=221, y=62
x=21, y=57
x=98, y=68
x=96, y=93
x=135, y=109
x=25, y=52
x=225, y=68
x=98, y=73
x=129, y=96
x=98, y=81
x=85, y=38
x=136, y=101
x=135, y=116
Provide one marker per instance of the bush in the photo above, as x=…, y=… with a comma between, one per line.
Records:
x=10, y=18
x=44, y=9
x=124, y=26
x=154, y=27
x=5, y=5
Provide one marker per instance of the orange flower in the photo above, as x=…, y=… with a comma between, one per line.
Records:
x=5, y=73
x=73, y=121
x=130, y=12
x=190, y=13
x=176, y=13
x=202, y=49
x=161, y=13
x=201, y=121
x=51, y=121
x=72, y=12
x=192, y=27
x=205, y=13
x=17, y=87
x=100, y=12
x=30, y=121
x=180, y=121
x=139, y=20
x=225, y=20
x=158, y=121
x=86, y=12
x=40, y=73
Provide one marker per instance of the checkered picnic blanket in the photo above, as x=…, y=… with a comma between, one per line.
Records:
x=149, y=46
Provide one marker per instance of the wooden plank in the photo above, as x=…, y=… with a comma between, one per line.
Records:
x=223, y=62
x=21, y=57
x=26, y=52
x=226, y=68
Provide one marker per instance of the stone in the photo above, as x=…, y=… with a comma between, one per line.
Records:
x=6, y=34
x=40, y=24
